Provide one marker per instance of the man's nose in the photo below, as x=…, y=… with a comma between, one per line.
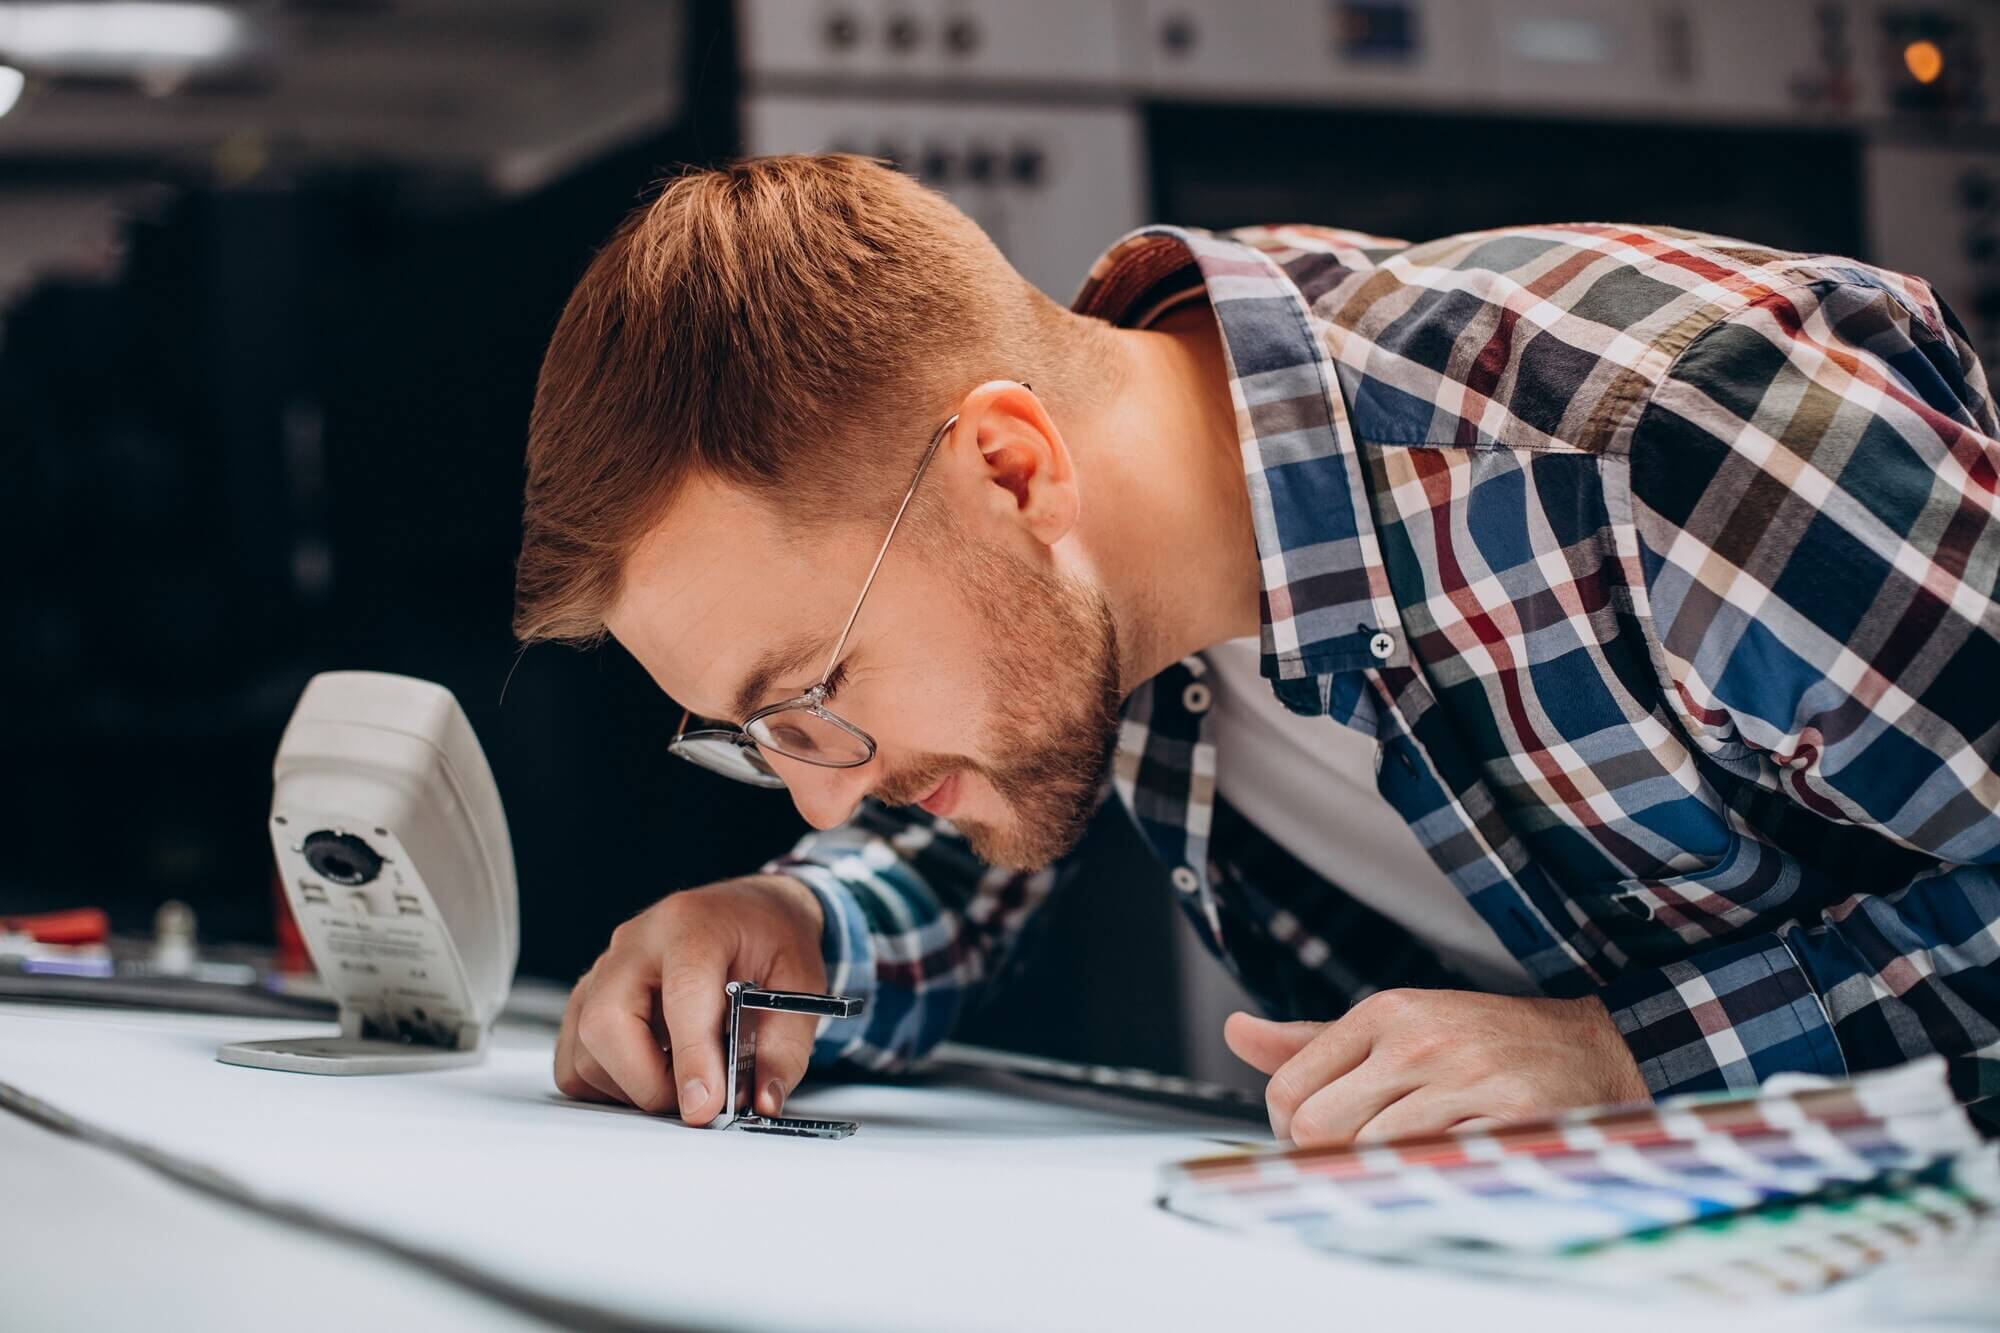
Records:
x=826, y=797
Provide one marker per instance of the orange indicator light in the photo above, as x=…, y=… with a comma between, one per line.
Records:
x=1924, y=61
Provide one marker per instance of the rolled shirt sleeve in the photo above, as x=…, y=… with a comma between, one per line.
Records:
x=915, y=925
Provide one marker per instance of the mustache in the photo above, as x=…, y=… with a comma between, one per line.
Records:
x=920, y=780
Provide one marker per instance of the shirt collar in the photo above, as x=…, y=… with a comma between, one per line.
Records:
x=1326, y=604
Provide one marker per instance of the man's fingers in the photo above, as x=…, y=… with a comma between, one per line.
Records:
x=1424, y=1111
x=1338, y=1050
x=614, y=1028
x=1337, y=1112
x=784, y=1046
x=695, y=1006
x=569, y=1081
x=599, y=1086
x=659, y=988
x=580, y=1074
x=1263, y=1044
x=785, y=1041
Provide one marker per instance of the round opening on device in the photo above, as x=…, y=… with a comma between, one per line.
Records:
x=342, y=857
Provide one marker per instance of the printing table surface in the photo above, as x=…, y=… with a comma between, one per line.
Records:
x=984, y=1203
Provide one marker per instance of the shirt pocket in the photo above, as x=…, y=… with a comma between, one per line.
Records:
x=1749, y=885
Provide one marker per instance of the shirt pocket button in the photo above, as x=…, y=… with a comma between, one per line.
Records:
x=1634, y=905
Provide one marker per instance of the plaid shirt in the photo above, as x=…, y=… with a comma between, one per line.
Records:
x=1662, y=570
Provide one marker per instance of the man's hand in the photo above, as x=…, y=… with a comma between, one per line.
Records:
x=644, y=1025
x=1407, y=1062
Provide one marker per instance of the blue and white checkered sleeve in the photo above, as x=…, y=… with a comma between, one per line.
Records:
x=1814, y=491
x=915, y=926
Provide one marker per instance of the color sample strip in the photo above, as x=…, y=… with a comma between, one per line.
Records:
x=1542, y=1202
x=1722, y=1197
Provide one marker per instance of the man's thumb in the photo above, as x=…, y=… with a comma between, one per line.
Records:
x=1263, y=1044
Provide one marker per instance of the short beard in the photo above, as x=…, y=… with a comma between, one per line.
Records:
x=1054, y=726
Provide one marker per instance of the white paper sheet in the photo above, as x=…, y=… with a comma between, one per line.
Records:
x=1003, y=1206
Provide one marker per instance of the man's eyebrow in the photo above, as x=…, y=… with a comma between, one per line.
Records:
x=784, y=660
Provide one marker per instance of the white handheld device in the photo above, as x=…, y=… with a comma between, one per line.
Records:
x=393, y=849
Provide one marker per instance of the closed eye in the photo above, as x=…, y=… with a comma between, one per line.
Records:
x=834, y=682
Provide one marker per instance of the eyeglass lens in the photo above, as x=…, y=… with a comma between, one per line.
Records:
x=809, y=736
x=725, y=756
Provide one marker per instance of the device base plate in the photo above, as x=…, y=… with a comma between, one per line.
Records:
x=344, y=1055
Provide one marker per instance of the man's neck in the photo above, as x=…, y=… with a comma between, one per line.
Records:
x=1166, y=516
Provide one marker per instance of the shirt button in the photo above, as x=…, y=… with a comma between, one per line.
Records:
x=1382, y=645
x=1185, y=879
x=1196, y=698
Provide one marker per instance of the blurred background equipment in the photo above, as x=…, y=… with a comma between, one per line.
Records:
x=275, y=278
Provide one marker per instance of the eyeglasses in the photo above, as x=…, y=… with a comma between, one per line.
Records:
x=802, y=727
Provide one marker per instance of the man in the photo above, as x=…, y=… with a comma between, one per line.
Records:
x=1556, y=665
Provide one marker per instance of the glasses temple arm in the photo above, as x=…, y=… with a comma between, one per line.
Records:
x=833, y=659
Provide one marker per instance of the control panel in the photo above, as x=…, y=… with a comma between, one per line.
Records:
x=1829, y=61
x=1816, y=60
x=1019, y=42
x=1931, y=61
x=1052, y=185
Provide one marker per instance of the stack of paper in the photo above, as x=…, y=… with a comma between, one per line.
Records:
x=1731, y=1195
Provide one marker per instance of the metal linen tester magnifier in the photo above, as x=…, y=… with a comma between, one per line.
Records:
x=740, y=1052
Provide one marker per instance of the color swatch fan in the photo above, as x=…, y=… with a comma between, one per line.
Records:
x=1736, y=1195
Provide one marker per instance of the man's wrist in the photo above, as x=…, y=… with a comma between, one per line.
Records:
x=845, y=946
x=798, y=895
x=1625, y=1082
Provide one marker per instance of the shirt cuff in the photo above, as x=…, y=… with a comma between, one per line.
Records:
x=848, y=950
x=1727, y=1018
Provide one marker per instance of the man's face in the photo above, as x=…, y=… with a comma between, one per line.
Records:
x=988, y=678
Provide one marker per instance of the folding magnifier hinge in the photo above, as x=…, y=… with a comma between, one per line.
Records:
x=739, y=1041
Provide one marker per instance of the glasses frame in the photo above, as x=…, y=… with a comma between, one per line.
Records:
x=813, y=700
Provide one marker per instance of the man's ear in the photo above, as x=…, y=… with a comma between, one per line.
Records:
x=1026, y=474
